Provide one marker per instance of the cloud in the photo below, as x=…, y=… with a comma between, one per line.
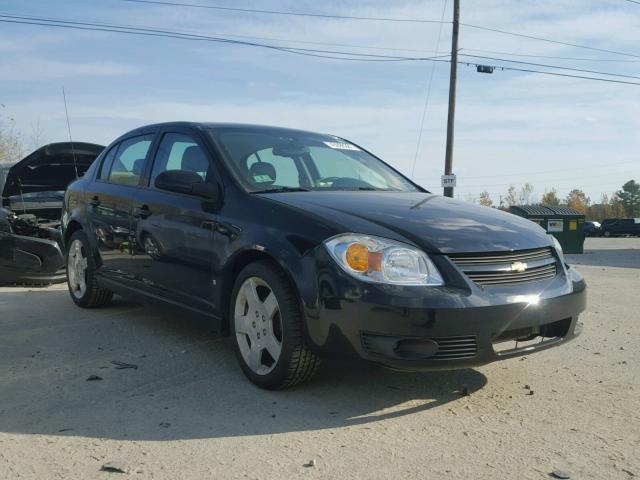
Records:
x=38, y=69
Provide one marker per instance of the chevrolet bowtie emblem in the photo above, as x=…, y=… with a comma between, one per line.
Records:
x=518, y=267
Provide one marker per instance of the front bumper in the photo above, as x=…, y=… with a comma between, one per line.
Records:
x=30, y=260
x=451, y=327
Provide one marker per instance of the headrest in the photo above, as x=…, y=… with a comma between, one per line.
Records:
x=138, y=166
x=194, y=160
x=262, y=173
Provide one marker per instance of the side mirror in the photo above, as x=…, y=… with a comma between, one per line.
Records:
x=187, y=182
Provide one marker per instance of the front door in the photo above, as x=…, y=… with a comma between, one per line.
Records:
x=173, y=247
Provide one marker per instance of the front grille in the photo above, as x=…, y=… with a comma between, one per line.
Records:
x=496, y=268
x=456, y=348
x=449, y=348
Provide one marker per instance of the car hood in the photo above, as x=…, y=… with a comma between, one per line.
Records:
x=50, y=168
x=435, y=223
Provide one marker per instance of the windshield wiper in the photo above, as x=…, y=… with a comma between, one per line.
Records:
x=282, y=190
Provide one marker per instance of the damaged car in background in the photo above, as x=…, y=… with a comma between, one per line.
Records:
x=32, y=193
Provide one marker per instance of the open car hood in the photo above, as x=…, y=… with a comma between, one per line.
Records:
x=50, y=168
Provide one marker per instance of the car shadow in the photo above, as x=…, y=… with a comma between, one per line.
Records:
x=621, y=258
x=179, y=381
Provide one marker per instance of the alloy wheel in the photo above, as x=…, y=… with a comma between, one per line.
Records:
x=77, y=269
x=258, y=325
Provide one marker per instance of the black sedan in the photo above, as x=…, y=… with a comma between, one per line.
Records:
x=300, y=245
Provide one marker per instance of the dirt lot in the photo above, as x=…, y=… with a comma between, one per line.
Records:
x=187, y=412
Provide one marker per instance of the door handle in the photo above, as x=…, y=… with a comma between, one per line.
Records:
x=95, y=201
x=142, y=212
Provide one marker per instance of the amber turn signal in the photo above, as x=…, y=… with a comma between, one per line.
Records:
x=360, y=259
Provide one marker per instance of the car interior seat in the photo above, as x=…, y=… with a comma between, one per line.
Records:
x=194, y=160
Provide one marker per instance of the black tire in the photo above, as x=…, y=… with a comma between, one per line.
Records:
x=93, y=296
x=607, y=233
x=296, y=363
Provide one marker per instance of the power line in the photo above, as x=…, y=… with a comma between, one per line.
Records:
x=348, y=45
x=155, y=32
x=327, y=54
x=553, y=66
x=385, y=19
x=281, y=12
x=513, y=54
x=273, y=39
x=558, y=42
x=428, y=96
x=633, y=1
x=556, y=74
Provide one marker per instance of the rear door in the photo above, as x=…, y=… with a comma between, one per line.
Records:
x=110, y=200
x=173, y=233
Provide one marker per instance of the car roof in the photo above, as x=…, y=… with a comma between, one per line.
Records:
x=220, y=125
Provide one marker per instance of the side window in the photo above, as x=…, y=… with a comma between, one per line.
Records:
x=178, y=151
x=285, y=169
x=105, y=167
x=130, y=160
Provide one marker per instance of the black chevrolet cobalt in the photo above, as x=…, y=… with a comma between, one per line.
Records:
x=300, y=245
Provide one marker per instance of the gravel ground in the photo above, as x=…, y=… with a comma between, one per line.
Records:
x=186, y=411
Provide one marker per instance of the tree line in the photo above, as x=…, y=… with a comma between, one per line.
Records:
x=623, y=203
x=14, y=143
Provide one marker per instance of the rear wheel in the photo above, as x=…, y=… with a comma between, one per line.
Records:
x=83, y=287
x=266, y=325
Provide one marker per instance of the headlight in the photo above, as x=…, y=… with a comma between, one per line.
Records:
x=558, y=247
x=379, y=260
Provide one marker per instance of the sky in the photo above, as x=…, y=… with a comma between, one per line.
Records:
x=511, y=127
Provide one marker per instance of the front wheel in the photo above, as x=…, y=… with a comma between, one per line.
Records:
x=266, y=325
x=83, y=287
x=607, y=233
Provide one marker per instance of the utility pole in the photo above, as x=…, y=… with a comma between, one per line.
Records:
x=448, y=160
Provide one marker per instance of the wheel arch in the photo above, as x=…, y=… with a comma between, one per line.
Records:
x=240, y=261
x=72, y=227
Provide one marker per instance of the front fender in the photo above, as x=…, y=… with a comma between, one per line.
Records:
x=294, y=254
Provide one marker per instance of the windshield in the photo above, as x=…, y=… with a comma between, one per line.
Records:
x=282, y=160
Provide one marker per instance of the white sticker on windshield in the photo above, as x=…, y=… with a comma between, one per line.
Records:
x=341, y=146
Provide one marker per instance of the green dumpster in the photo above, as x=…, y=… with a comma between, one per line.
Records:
x=564, y=223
